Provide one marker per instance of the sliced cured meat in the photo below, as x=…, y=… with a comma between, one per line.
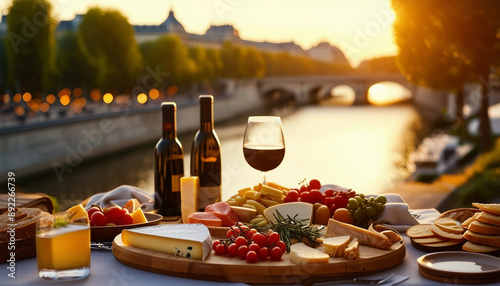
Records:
x=223, y=211
x=207, y=219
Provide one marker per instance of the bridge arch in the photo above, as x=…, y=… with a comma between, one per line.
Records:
x=279, y=96
x=388, y=92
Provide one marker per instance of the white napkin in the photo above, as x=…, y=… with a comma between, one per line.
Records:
x=396, y=213
x=120, y=196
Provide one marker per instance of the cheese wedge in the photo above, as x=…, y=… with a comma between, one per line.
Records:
x=303, y=254
x=303, y=211
x=352, y=250
x=187, y=240
x=335, y=246
x=189, y=196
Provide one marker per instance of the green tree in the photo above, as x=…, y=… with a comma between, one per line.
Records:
x=216, y=65
x=171, y=56
x=72, y=65
x=107, y=40
x=30, y=45
x=3, y=66
x=232, y=60
x=444, y=44
x=252, y=64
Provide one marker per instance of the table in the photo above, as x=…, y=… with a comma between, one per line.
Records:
x=107, y=270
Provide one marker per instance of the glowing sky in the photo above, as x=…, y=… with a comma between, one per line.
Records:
x=360, y=28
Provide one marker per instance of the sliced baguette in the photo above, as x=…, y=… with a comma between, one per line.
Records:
x=485, y=239
x=492, y=208
x=449, y=225
x=490, y=218
x=484, y=228
x=439, y=232
x=467, y=222
x=445, y=243
x=480, y=248
x=420, y=231
x=429, y=240
x=365, y=237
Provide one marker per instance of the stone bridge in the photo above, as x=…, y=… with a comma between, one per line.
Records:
x=307, y=89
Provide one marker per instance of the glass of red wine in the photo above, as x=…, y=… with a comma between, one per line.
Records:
x=264, y=143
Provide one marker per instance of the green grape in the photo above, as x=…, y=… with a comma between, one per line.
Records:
x=381, y=199
x=353, y=203
x=379, y=207
x=371, y=211
x=359, y=214
x=362, y=196
x=359, y=199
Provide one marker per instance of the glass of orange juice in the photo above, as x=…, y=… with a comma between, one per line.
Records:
x=63, y=246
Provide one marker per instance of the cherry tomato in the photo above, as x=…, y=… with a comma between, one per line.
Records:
x=303, y=188
x=305, y=197
x=315, y=196
x=125, y=219
x=341, y=201
x=232, y=250
x=242, y=252
x=273, y=238
x=240, y=240
x=281, y=245
x=263, y=253
x=260, y=239
x=329, y=192
x=292, y=196
x=328, y=201
x=276, y=253
x=113, y=214
x=221, y=249
x=92, y=210
x=217, y=242
x=314, y=184
x=254, y=247
x=98, y=219
x=252, y=257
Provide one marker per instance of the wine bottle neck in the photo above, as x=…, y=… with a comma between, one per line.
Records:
x=206, y=114
x=169, y=121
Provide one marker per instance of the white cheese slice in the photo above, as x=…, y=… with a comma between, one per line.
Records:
x=302, y=211
x=336, y=245
x=187, y=240
x=189, y=196
x=303, y=254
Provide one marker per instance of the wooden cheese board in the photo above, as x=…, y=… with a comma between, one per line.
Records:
x=233, y=269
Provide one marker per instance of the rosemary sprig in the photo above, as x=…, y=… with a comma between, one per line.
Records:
x=289, y=228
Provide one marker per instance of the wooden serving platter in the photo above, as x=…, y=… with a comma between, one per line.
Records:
x=233, y=269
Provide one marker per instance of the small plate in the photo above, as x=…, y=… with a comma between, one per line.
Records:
x=108, y=233
x=459, y=265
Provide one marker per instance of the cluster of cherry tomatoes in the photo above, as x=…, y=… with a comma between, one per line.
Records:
x=114, y=215
x=310, y=193
x=249, y=244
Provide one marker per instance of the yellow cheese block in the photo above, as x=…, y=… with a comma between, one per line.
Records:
x=138, y=216
x=187, y=240
x=189, y=196
x=336, y=245
x=303, y=254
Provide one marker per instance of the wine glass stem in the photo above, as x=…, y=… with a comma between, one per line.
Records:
x=265, y=178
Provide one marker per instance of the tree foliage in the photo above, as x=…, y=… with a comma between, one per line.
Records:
x=30, y=45
x=108, y=41
x=444, y=44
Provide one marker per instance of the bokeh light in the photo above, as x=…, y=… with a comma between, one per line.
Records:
x=34, y=105
x=142, y=98
x=95, y=94
x=44, y=107
x=17, y=97
x=50, y=99
x=6, y=98
x=77, y=92
x=154, y=93
x=19, y=110
x=172, y=90
x=27, y=96
x=65, y=100
x=107, y=98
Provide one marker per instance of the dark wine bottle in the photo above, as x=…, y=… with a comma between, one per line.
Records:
x=169, y=164
x=206, y=157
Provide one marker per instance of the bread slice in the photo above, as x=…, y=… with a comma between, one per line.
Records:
x=491, y=208
x=480, y=248
x=484, y=228
x=24, y=222
x=449, y=225
x=449, y=235
x=491, y=240
x=365, y=237
x=467, y=222
x=490, y=218
x=420, y=231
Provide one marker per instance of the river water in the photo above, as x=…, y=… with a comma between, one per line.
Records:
x=359, y=147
